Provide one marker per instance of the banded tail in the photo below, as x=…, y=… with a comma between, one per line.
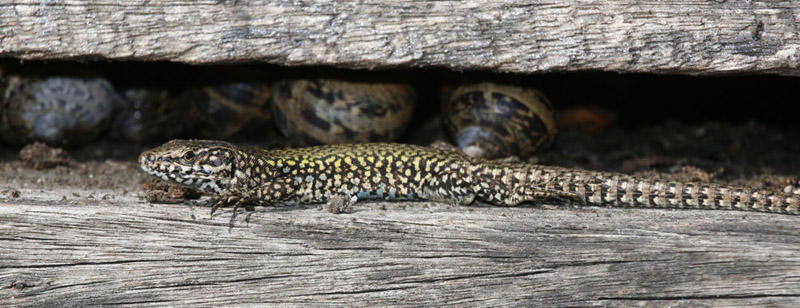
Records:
x=510, y=184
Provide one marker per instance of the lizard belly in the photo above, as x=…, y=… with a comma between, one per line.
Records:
x=321, y=188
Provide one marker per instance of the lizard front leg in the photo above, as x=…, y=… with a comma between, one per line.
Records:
x=279, y=189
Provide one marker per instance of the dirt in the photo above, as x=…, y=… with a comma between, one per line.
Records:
x=155, y=190
x=750, y=153
x=40, y=156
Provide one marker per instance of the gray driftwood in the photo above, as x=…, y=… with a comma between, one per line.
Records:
x=682, y=36
x=123, y=251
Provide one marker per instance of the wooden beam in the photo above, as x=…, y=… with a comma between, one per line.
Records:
x=64, y=248
x=684, y=36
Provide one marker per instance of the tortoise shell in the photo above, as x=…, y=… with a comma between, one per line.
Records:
x=493, y=120
x=226, y=110
x=328, y=111
x=58, y=109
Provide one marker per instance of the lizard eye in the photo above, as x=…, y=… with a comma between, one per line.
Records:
x=188, y=155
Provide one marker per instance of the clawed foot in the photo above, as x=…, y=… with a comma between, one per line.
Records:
x=221, y=200
x=553, y=194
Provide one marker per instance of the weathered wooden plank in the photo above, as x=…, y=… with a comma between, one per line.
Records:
x=60, y=249
x=684, y=36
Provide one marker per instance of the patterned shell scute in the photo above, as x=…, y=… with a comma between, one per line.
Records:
x=492, y=121
x=223, y=111
x=327, y=111
x=146, y=114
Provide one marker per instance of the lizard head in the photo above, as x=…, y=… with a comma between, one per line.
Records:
x=204, y=165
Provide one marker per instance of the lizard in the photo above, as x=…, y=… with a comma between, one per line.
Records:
x=243, y=175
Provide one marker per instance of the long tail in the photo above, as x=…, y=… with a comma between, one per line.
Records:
x=510, y=184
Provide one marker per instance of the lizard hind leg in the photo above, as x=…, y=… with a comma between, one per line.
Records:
x=451, y=187
x=498, y=192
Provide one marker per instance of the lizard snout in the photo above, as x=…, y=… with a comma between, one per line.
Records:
x=146, y=157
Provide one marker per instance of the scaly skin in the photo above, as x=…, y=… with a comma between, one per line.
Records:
x=244, y=175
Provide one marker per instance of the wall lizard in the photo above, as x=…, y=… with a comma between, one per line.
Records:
x=241, y=175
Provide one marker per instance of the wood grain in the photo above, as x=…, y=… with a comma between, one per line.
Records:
x=684, y=36
x=113, y=248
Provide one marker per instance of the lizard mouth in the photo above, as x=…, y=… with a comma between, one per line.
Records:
x=163, y=173
x=185, y=175
x=169, y=171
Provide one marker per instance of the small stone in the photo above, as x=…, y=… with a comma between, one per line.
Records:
x=341, y=204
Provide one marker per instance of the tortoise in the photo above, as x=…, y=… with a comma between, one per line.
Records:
x=63, y=105
x=491, y=120
x=329, y=111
